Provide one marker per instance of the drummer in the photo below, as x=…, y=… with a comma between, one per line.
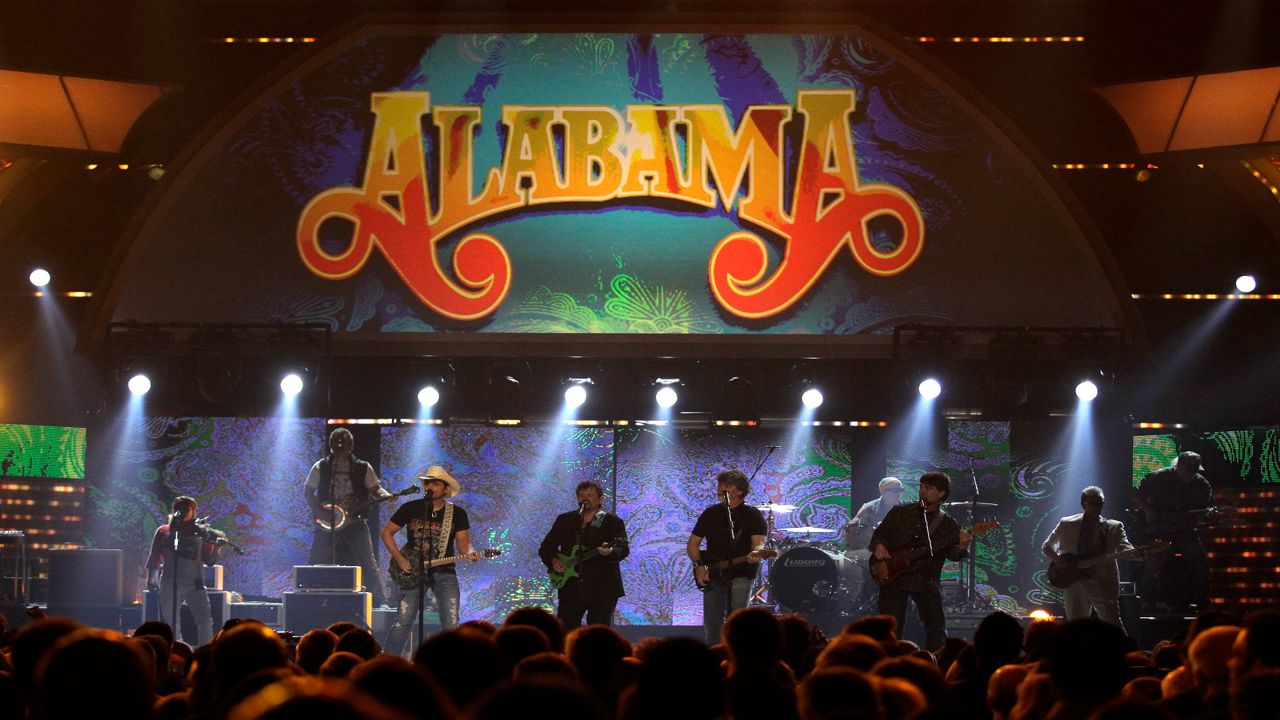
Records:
x=857, y=534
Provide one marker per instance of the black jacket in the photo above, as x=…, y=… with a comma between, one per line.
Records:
x=904, y=527
x=600, y=574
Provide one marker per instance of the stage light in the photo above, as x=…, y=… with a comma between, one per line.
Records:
x=930, y=389
x=575, y=396
x=39, y=277
x=811, y=398
x=291, y=385
x=666, y=397
x=139, y=384
x=1039, y=615
x=1245, y=284
x=1087, y=390
x=428, y=396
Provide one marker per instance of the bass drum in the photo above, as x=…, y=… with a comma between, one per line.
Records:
x=808, y=579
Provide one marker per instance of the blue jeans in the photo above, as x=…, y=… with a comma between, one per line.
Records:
x=719, y=601
x=444, y=587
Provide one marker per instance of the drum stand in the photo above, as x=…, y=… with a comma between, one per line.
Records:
x=761, y=584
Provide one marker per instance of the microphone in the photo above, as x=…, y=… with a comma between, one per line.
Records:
x=582, y=508
x=726, y=497
x=427, y=494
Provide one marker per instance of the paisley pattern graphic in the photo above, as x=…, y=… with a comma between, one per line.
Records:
x=245, y=473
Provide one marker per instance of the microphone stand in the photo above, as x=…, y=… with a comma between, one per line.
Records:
x=970, y=587
x=761, y=582
x=426, y=572
x=173, y=593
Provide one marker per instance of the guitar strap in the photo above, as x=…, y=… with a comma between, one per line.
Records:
x=930, y=527
x=446, y=527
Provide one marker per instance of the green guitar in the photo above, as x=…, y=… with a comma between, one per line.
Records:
x=571, y=563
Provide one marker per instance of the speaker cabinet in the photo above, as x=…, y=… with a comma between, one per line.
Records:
x=305, y=611
x=268, y=613
x=85, y=578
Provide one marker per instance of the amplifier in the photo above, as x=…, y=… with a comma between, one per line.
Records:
x=213, y=577
x=308, y=578
x=313, y=609
x=268, y=613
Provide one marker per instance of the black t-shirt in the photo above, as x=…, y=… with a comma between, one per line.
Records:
x=409, y=517
x=713, y=525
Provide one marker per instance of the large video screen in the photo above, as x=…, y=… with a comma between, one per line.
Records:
x=42, y=451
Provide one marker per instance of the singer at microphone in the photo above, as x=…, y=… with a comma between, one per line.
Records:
x=734, y=532
x=582, y=552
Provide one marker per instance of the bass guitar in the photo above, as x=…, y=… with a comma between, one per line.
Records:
x=335, y=516
x=410, y=579
x=1069, y=569
x=716, y=570
x=571, y=563
x=906, y=559
x=1170, y=524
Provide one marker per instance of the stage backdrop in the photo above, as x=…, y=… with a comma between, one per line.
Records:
x=403, y=180
x=247, y=475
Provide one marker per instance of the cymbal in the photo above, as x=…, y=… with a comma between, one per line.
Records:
x=967, y=503
x=777, y=507
x=807, y=530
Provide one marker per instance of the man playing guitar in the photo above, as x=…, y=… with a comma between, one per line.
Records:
x=1174, y=501
x=735, y=533
x=443, y=532
x=340, y=478
x=924, y=528
x=1085, y=536
x=582, y=550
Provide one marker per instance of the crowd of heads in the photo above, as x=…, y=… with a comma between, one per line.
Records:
x=766, y=666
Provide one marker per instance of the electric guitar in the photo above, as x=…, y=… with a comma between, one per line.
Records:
x=1069, y=569
x=906, y=559
x=341, y=512
x=409, y=580
x=716, y=570
x=571, y=563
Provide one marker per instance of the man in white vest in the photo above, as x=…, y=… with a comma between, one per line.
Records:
x=1083, y=536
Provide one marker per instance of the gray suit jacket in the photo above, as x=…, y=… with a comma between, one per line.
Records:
x=1066, y=537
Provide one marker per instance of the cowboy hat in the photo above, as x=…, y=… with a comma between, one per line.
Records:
x=435, y=472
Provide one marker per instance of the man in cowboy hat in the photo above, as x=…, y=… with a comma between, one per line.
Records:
x=436, y=529
x=344, y=480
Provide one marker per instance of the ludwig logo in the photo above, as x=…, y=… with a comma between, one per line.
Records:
x=689, y=154
x=797, y=562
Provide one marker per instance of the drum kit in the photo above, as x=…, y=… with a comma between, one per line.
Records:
x=811, y=573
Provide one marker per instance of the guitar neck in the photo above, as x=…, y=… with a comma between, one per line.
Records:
x=446, y=560
x=726, y=564
x=1084, y=564
x=575, y=562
